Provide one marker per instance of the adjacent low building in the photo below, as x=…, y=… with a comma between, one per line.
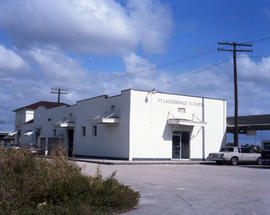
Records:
x=135, y=125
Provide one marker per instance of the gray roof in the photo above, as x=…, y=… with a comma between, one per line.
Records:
x=250, y=120
x=256, y=122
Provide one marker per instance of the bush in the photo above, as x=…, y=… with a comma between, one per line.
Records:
x=33, y=185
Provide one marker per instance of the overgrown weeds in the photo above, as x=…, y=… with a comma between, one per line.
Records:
x=32, y=185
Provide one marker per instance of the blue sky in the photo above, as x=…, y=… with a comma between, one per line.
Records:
x=78, y=44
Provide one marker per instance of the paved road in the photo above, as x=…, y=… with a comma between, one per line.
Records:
x=195, y=189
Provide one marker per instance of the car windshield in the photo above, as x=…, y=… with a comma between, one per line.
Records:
x=266, y=146
x=226, y=149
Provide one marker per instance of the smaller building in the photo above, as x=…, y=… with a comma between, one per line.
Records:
x=26, y=131
x=7, y=138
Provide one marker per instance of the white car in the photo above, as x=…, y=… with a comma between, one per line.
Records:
x=234, y=155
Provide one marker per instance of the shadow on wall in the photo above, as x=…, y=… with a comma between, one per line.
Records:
x=167, y=132
x=169, y=129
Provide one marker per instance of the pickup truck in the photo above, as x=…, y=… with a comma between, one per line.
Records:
x=234, y=155
x=265, y=151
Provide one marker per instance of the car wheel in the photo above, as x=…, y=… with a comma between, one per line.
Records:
x=234, y=161
x=259, y=161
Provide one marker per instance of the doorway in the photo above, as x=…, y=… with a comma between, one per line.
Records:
x=70, y=142
x=181, y=145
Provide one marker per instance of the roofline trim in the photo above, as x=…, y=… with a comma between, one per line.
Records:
x=176, y=94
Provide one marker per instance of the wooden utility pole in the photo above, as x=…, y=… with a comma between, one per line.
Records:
x=234, y=50
x=59, y=91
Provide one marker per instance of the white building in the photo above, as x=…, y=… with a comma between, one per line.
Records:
x=134, y=125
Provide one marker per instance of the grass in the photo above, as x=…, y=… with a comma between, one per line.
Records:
x=32, y=185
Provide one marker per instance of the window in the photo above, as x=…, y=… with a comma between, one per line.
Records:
x=181, y=110
x=54, y=132
x=112, y=108
x=244, y=150
x=227, y=149
x=94, y=130
x=83, y=130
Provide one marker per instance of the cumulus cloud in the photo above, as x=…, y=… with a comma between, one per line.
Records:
x=10, y=62
x=216, y=82
x=88, y=26
x=55, y=66
x=255, y=71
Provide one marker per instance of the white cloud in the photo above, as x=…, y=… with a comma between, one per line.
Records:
x=152, y=24
x=55, y=67
x=251, y=70
x=217, y=82
x=88, y=26
x=10, y=62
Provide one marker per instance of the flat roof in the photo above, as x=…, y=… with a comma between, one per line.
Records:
x=250, y=122
x=106, y=96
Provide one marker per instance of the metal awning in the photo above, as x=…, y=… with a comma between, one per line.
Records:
x=249, y=123
x=65, y=124
x=185, y=122
x=12, y=133
x=29, y=133
x=105, y=119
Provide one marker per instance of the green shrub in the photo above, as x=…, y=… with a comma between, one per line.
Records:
x=34, y=185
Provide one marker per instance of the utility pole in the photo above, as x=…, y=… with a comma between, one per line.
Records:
x=234, y=50
x=59, y=91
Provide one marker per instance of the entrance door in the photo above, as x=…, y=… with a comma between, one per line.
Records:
x=180, y=145
x=185, y=145
x=176, y=147
x=70, y=141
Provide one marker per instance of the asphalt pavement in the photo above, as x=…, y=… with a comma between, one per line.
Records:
x=194, y=189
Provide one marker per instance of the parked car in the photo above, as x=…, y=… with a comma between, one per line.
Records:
x=265, y=151
x=234, y=155
x=32, y=149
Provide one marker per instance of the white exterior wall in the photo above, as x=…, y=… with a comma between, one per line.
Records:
x=46, y=120
x=111, y=140
x=42, y=123
x=46, y=126
x=150, y=134
x=25, y=138
x=19, y=119
x=19, y=122
x=215, y=130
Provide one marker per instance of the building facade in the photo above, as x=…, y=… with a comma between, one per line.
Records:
x=135, y=125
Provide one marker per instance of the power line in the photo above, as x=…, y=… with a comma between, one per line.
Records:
x=154, y=68
x=59, y=91
x=201, y=70
x=259, y=40
x=170, y=63
x=253, y=56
